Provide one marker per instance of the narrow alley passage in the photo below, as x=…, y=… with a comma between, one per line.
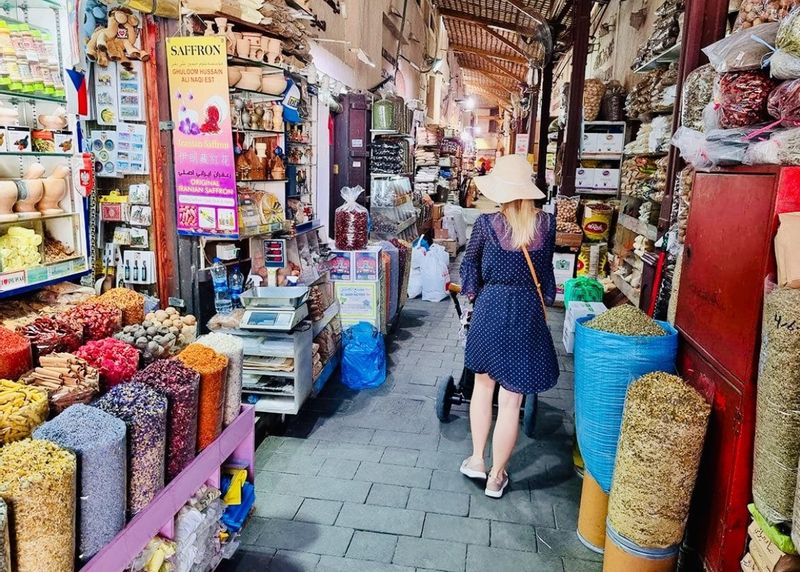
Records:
x=369, y=480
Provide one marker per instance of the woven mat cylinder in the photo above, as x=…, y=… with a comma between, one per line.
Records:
x=212, y=369
x=98, y=441
x=660, y=444
x=37, y=482
x=592, y=515
x=181, y=386
x=233, y=349
x=144, y=412
x=777, y=442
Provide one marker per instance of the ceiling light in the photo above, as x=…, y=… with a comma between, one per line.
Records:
x=476, y=129
x=469, y=104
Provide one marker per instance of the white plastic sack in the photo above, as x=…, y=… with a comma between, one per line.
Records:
x=435, y=274
x=455, y=223
x=415, y=277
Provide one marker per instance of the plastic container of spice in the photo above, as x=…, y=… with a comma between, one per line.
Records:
x=15, y=354
x=212, y=369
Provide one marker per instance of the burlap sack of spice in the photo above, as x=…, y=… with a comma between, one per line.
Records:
x=786, y=252
x=777, y=440
x=661, y=441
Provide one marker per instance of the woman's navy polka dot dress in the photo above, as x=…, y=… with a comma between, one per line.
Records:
x=508, y=335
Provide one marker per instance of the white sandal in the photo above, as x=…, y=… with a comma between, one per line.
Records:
x=473, y=471
x=496, y=487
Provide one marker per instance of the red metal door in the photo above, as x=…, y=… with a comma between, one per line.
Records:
x=728, y=241
x=719, y=518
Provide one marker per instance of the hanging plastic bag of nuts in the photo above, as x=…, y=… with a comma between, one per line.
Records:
x=755, y=12
x=698, y=90
x=351, y=221
x=742, y=50
x=593, y=90
x=612, y=107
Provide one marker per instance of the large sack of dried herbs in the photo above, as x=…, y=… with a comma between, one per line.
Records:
x=661, y=441
x=612, y=350
x=777, y=442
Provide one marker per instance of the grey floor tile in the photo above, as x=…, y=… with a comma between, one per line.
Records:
x=318, y=511
x=440, y=460
x=513, y=536
x=292, y=463
x=333, y=564
x=325, y=488
x=388, y=495
x=443, y=502
x=563, y=543
x=305, y=537
x=483, y=558
x=289, y=561
x=381, y=519
x=420, y=442
x=394, y=456
x=426, y=553
x=350, y=451
x=577, y=565
x=456, y=529
x=274, y=505
x=394, y=475
x=247, y=560
x=520, y=512
x=339, y=468
x=372, y=546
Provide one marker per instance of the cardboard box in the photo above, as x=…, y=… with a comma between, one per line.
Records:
x=606, y=178
x=764, y=552
x=561, y=278
x=437, y=211
x=564, y=262
x=591, y=143
x=579, y=310
x=355, y=264
x=610, y=142
x=449, y=244
x=340, y=265
x=440, y=232
x=584, y=178
x=568, y=339
x=358, y=302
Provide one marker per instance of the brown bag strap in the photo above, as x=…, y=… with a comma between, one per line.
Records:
x=535, y=279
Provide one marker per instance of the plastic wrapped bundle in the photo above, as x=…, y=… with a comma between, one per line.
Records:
x=24, y=408
x=5, y=541
x=15, y=354
x=233, y=349
x=605, y=365
x=777, y=441
x=144, y=412
x=98, y=441
x=181, y=386
x=37, y=482
x=743, y=98
x=661, y=441
x=698, y=89
x=211, y=366
x=351, y=221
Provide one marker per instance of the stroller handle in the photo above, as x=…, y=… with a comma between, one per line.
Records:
x=454, y=290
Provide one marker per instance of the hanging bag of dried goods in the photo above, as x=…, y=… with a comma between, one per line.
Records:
x=233, y=349
x=611, y=350
x=98, y=440
x=661, y=441
x=212, y=369
x=777, y=442
x=784, y=63
x=742, y=50
x=181, y=386
x=755, y=12
x=593, y=90
x=15, y=354
x=37, y=483
x=743, y=98
x=698, y=89
x=612, y=107
x=784, y=103
x=144, y=411
x=351, y=221
x=22, y=408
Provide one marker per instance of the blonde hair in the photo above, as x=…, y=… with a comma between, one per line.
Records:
x=521, y=215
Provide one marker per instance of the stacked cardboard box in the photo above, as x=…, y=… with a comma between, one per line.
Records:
x=763, y=554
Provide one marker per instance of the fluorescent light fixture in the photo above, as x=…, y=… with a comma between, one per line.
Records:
x=476, y=130
x=363, y=56
x=469, y=103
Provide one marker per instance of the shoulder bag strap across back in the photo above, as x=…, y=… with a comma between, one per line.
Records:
x=535, y=279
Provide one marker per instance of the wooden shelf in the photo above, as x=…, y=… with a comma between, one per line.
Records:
x=647, y=230
x=665, y=58
x=631, y=293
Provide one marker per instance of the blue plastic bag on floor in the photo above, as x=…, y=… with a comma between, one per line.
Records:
x=605, y=365
x=364, y=357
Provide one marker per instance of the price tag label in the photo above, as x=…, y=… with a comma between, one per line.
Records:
x=12, y=280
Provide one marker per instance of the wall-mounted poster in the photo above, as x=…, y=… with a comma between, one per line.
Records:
x=205, y=174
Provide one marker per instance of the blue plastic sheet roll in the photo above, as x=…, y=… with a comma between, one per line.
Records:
x=605, y=365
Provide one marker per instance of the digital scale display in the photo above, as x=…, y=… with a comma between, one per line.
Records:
x=262, y=319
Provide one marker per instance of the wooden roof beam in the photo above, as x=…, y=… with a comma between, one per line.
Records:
x=488, y=54
x=463, y=16
x=489, y=77
x=503, y=40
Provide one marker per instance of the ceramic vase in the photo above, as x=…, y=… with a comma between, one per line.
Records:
x=277, y=117
x=221, y=24
x=30, y=190
x=243, y=47
x=266, y=121
x=55, y=189
x=274, y=50
x=230, y=40
x=8, y=196
x=209, y=31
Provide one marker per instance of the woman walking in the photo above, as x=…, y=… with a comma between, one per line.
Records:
x=507, y=272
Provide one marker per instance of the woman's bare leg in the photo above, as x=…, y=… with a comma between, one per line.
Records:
x=505, y=431
x=480, y=414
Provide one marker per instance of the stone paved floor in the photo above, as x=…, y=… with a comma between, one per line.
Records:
x=369, y=480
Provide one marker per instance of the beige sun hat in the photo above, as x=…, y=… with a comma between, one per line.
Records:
x=509, y=180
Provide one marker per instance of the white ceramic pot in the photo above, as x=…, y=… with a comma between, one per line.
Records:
x=250, y=81
x=30, y=192
x=55, y=189
x=274, y=50
x=273, y=84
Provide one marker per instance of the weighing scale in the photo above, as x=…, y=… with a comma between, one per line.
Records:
x=273, y=308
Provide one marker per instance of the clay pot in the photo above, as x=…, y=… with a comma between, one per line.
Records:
x=256, y=53
x=8, y=196
x=30, y=192
x=234, y=75
x=250, y=81
x=221, y=23
x=277, y=117
x=274, y=50
x=55, y=189
x=273, y=84
x=243, y=47
x=209, y=31
x=230, y=40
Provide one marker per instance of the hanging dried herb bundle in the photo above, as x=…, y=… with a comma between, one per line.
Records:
x=626, y=320
x=777, y=442
x=660, y=445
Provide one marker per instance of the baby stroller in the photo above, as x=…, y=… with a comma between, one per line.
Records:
x=451, y=393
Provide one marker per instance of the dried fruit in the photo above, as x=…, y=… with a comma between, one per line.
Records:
x=54, y=333
x=116, y=360
x=98, y=320
x=22, y=408
x=15, y=354
x=661, y=441
x=626, y=320
x=130, y=302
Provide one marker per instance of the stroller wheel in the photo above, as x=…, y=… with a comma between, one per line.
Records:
x=444, y=399
x=529, y=414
